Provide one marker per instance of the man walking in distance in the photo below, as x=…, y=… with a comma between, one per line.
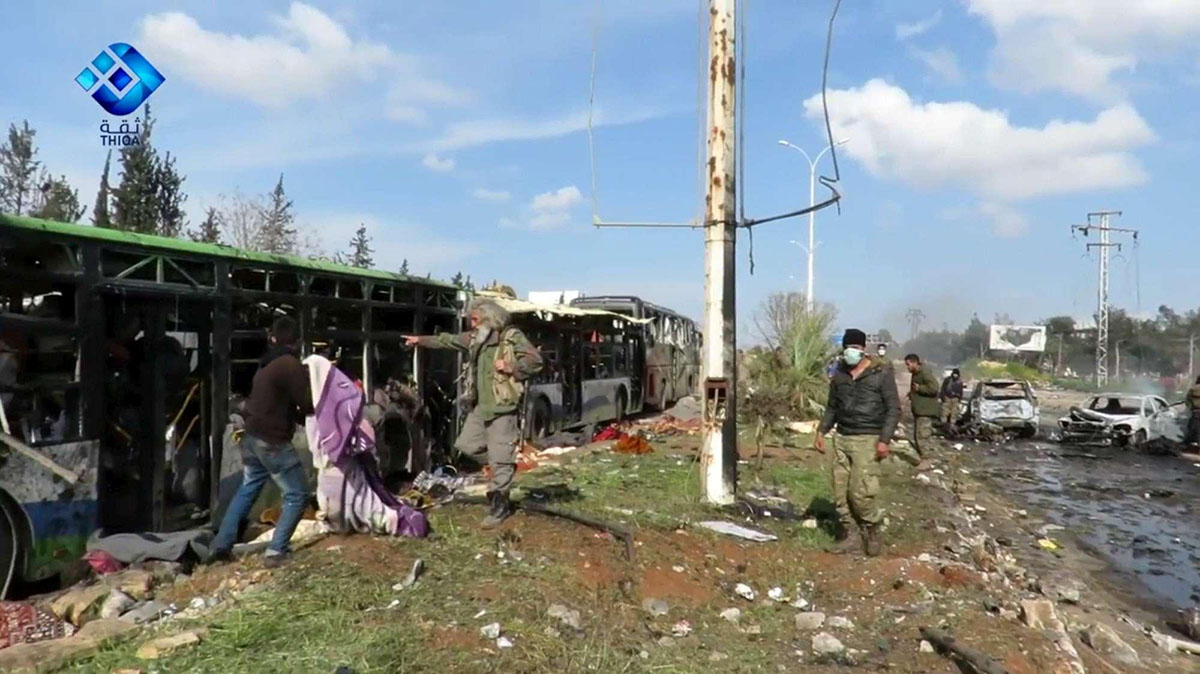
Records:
x=951, y=395
x=923, y=397
x=863, y=410
x=499, y=359
x=279, y=401
x=1193, y=405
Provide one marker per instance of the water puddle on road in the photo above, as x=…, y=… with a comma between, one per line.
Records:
x=1141, y=513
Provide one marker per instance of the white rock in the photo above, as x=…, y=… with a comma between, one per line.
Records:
x=809, y=524
x=655, y=607
x=925, y=557
x=925, y=647
x=824, y=643
x=503, y=643
x=116, y=604
x=839, y=622
x=732, y=615
x=924, y=478
x=776, y=594
x=800, y=603
x=679, y=568
x=744, y=591
x=810, y=620
x=490, y=631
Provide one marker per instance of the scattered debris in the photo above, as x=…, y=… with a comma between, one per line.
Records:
x=1061, y=588
x=146, y=612
x=655, y=607
x=744, y=591
x=725, y=527
x=925, y=647
x=503, y=643
x=1172, y=644
x=732, y=615
x=717, y=656
x=681, y=628
x=777, y=594
x=809, y=524
x=490, y=631
x=678, y=568
x=826, y=644
x=1107, y=643
x=810, y=620
x=418, y=568
x=666, y=641
x=1040, y=615
x=162, y=646
x=1049, y=544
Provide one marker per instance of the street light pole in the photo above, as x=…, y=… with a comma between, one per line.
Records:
x=812, y=196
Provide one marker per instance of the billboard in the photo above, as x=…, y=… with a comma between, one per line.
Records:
x=1017, y=338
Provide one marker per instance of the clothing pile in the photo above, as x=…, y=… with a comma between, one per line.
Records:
x=21, y=622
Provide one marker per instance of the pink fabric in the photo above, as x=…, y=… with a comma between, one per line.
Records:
x=102, y=562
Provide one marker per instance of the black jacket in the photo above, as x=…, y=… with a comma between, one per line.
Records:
x=868, y=405
x=279, y=397
x=951, y=388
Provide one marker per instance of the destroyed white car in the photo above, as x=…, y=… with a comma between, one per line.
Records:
x=1121, y=419
x=1010, y=405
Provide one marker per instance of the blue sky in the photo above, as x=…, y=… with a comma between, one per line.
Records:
x=979, y=131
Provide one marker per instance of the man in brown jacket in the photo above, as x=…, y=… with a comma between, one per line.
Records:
x=279, y=400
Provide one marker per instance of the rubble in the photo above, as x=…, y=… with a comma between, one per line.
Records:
x=655, y=607
x=1107, y=643
x=826, y=644
x=839, y=622
x=744, y=591
x=418, y=567
x=146, y=612
x=52, y=655
x=732, y=615
x=116, y=604
x=569, y=617
x=725, y=527
x=162, y=646
x=490, y=631
x=925, y=647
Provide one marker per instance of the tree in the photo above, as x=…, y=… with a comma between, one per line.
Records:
x=360, y=249
x=277, y=234
x=242, y=218
x=169, y=197
x=19, y=170
x=404, y=267
x=975, y=339
x=885, y=336
x=135, y=200
x=209, y=231
x=58, y=201
x=100, y=209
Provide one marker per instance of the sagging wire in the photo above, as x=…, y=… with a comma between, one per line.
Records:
x=828, y=182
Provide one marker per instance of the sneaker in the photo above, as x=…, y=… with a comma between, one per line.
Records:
x=271, y=559
x=872, y=544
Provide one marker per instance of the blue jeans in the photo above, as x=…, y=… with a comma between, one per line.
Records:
x=261, y=460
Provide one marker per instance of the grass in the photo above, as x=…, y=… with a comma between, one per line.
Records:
x=330, y=608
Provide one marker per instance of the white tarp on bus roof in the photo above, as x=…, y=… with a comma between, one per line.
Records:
x=514, y=306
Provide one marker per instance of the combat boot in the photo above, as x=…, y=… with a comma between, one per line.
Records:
x=872, y=542
x=844, y=541
x=501, y=509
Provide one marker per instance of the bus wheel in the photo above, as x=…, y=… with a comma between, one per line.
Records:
x=540, y=419
x=9, y=550
x=622, y=399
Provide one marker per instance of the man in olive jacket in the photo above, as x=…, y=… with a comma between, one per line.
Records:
x=499, y=358
x=923, y=396
x=1193, y=405
x=863, y=410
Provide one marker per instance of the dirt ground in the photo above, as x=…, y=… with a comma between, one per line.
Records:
x=960, y=557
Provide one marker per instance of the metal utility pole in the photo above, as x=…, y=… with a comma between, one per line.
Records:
x=812, y=199
x=1191, y=355
x=1102, y=228
x=914, y=317
x=718, y=452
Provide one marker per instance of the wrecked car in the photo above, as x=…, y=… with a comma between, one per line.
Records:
x=1129, y=420
x=1008, y=405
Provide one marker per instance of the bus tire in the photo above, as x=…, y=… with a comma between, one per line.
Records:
x=10, y=548
x=541, y=424
x=622, y=404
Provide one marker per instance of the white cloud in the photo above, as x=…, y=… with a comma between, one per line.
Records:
x=486, y=195
x=942, y=62
x=307, y=56
x=438, y=164
x=1005, y=220
x=905, y=31
x=960, y=145
x=1080, y=46
x=548, y=210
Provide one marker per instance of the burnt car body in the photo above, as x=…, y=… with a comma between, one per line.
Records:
x=1122, y=419
x=1010, y=405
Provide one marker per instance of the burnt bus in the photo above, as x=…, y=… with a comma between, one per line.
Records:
x=123, y=357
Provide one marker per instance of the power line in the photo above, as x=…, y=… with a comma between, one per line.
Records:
x=1103, y=247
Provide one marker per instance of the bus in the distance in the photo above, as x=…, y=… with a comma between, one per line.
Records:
x=670, y=365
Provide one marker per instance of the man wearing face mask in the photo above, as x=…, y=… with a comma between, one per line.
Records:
x=951, y=395
x=863, y=410
x=499, y=359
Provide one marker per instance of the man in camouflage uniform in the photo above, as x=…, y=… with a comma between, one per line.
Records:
x=951, y=395
x=499, y=359
x=863, y=410
x=1193, y=404
x=923, y=397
